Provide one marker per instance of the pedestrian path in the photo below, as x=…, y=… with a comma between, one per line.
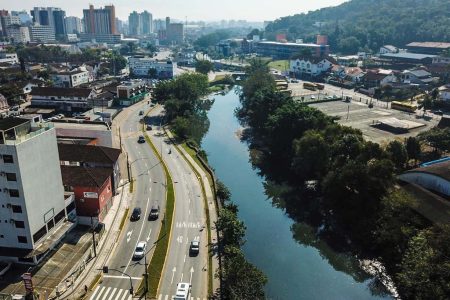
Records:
x=169, y=297
x=110, y=293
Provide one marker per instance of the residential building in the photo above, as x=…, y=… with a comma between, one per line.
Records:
x=64, y=99
x=33, y=204
x=8, y=20
x=25, y=18
x=140, y=66
x=72, y=78
x=378, y=78
x=84, y=132
x=119, y=26
x=92, y=189
x=10, y=58
x=146, y=20
x=175, y=33
x=419, y=76
x=444, y=92
x=101, y=38
x=92, y=157
x=132, y=91
x=134, y=21
x=287, y=50
x=310, y=66
x=73, y=25
x=19, y=34
x=434, y=48
x=388, y=49
x=100, y=20
x=42, y=34
x=354, y=74
x=441, y=60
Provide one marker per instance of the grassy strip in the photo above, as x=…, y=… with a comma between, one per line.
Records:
x=95, y=281
x=280, y=65
x=131, y=185
x=124, y=218
x=156, y=265
x=205, y=200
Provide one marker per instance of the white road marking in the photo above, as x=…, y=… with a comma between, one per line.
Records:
x=192, y=272
x=189, y=212
x=160, y=297
x=106, y=293
x=121, y=277
x=181, y=280
x=148, y=237
x=166, y=297
x=173, y=274
x=127, y=292
x=120, y=294
x=95, y=292
x=193, y=225
x=129, y=233
x=180, y=239
x=197, y=238
x=112, y=294
x=184, y=258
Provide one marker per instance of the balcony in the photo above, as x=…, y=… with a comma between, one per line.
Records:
x=22, y=137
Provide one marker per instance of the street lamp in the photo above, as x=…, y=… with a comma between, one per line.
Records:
x=93, y=233
x=106, y=271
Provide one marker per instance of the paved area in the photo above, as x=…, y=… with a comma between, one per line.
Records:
x=359, y=115
x=55, y=267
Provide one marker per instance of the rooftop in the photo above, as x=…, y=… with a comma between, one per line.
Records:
x=407, y=55
x=62, y=92
x=8, y=123
x=440, y=169
x=86, y=153
x=290, y=44
x=85, y=177
x=440, y=45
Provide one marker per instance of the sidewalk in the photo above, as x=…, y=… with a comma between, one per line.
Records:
x=92, y=271
x=212, y=212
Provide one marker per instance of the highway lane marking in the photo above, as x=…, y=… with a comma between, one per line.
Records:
x=121, y=277
x=192, y=272
x=189, y=212
x=148, y=237
x=95, y=292
x=101, y=292
x=173, y=274
x=184, y=258
x=180, y=239
x=129, y=233
x=181, y=280
x=112, y=294
x=125, y=294
x=187, y=225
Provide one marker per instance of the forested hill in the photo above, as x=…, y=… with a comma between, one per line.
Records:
x=362, y=24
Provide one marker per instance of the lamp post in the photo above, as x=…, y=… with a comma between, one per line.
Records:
x=93, y=234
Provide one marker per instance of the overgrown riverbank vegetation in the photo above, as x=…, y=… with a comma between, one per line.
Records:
x=345, y=186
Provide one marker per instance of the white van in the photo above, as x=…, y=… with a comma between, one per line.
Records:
x=183, y=291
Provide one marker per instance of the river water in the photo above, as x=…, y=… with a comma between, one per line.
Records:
x=298, y=266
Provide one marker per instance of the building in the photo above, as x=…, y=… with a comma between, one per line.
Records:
x=287, y=50
x=434, y=48
x=42, y=34
x=84, y=132
x=10, y=58
x=8, y=20
x=175, y=33
x=130, y=92
x=444, y=92
x=388, y=49
x=18, y=33
x=50, y=16
x=406, y=57
x=72, y=78
x=73, y=25
x=59, y=17
x=24, y=17
x=101, y=38
x=419, y=76
x=354, y=74
x=92, y=189
x=64, y=99
x=378, y=78
x=309, y=66
x=134, y=27
x=100, y=20
x=140, y=66
x=146, y=23
x=92, y=157
x=441, y=60
x=34, y=207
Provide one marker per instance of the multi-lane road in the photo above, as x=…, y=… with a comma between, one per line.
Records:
x=149, y=188
x=189, y=222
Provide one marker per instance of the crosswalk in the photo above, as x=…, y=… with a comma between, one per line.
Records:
x=167, y=297
x=110, y=293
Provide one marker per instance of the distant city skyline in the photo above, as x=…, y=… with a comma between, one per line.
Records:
x=193, y=10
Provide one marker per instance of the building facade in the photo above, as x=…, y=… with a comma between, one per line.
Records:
x=32, y=197
x=140, y=66
x=100, y=20
x=309, y=66
x=72, y=78
x=175, y=33
x=287, y=50
x=19, y=34
x=64, y=99
x=73, y=25
x=42, y=34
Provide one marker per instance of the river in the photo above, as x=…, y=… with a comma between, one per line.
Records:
x=298, y=266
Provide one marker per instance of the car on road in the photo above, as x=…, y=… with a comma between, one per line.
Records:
x=141, y=139
x=183, y=291
x=194, y=248
x=139, y=252
x=154, y=212
x=439, y=112
x=149, y=127
x=136, y=214
x=141, y=113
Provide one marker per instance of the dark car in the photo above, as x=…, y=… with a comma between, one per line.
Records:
x=154, y=212
x=439, y=112
x=141, y=139
x=136, y=214
x=149, y=127
x=194, y=249
x=141, y=113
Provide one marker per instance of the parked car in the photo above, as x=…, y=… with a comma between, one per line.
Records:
x=139, y=252
x=154, y=212
x=141, y=139
x=136, y=214
x=149, y=127
x=194, y=249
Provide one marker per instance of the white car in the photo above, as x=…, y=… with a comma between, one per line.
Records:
x=139, y=252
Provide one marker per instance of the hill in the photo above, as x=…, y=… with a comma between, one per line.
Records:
x=369, y=24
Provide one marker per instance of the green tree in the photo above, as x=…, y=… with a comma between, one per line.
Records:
x=397, y=153
x=222, y=191
x=152, y=73
x=413, y=148
x=204, y=66
x=232, y=229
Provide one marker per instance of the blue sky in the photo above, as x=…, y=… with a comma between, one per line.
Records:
x=253, y=10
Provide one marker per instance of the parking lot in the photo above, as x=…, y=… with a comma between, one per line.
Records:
x=358, y=115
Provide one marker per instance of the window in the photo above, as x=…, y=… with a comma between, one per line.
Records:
x=17, y=209
x=20, y=224
x=22, y=239
x=11, y=177
x=13, y=193
x=8, y=159
x=39, y=234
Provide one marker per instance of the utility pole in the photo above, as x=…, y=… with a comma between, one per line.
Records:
x=146, y=276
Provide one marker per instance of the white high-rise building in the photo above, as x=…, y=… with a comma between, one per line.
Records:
x=42, y=34
x=34, y=209
x=19, y=34
x=73, y=25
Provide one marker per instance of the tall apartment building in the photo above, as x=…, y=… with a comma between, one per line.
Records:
x=42, y=34
x=175, y=33
x=73, y=25
x=34, y=209
x=134, y=27
x=18, y=33
x=100, y=20
x=23, y=15
x=140, y=23
x=50, y=16
x=7, y=20
x=146, y=22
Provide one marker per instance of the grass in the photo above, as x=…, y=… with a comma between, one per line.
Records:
x=280, y=65
x=156, y=265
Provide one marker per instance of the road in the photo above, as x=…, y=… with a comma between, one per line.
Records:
x=189, y=221
x=149, y=188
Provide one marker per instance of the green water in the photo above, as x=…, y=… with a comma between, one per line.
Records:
x=298, y=266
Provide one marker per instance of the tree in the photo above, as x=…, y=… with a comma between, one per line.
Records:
x=223, y=193
x=413, y=148
x=204, y=66
x=437, y=138
x=152, y=73
x=232, y=229
x=397, y=153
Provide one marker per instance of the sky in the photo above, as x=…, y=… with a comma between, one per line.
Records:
x=195, y=10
